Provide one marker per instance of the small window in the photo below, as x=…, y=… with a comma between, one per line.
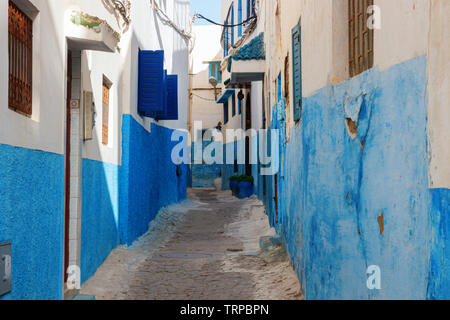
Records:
x=360, y=37
x=20, y=52
x=214, y=71
x=286, y=78
x=105, y=117
x=250, y=8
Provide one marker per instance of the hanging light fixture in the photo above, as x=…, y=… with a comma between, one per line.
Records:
x=241, y=95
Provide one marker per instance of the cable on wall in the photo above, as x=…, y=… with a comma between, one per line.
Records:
x=166, y=20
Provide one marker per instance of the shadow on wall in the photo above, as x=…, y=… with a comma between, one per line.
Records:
x=99, y=196
x=119, y=202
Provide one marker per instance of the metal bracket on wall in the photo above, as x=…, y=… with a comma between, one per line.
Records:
x=5, y=268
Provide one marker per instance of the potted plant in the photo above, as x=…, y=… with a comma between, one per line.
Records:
x=219, y=126
x=245, y=187
x=234, y=182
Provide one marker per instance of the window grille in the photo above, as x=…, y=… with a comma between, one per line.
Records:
x=20, y=49
x=360, y=37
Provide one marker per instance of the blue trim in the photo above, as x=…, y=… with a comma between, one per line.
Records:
x=240, y=18
x=225, y=96
x=279, y=94
x=232, y=23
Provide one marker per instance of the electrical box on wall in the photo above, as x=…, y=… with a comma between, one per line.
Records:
x=89, y=114
x=5, y=268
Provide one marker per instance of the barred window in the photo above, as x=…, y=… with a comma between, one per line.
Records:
x=105, y=118
x=20, y=49
x=360, y=37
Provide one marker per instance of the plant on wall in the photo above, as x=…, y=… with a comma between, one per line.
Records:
x=91, y=22
x=121, y=10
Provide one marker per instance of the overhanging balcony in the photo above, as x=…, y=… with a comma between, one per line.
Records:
x=248, y=63
x=86, y=32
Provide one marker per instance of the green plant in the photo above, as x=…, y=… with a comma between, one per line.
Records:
x=242, y=178
x=245, y=178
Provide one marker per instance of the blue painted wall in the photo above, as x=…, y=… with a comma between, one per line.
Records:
x=31, y=217
x=148, y=178
x=336, y=187
x=439, y=286
x=100, y=214
x=119, y=202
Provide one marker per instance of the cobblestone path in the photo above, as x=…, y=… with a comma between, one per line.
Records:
x=205, y=248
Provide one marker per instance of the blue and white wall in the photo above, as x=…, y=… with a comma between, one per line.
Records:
x=380, y=196
x=32, y=162
x=134, y=174
x=202, y=98
x=121, y=185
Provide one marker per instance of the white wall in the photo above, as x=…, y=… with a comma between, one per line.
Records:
x=206, y=48
x=149, y=33
x=45, y=129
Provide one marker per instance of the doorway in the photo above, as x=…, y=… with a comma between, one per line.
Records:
x=248, y=125
x=67, y=165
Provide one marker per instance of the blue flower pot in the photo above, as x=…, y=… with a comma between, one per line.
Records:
x=234, y=187
x=245, y=190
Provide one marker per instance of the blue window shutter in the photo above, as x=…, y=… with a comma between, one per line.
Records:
x=279, y=87
x=170, y=111
x=150, y=82
x=297, y=71
x=164, y=92
x=232, y=23
x=172, y=93
x=240, y=18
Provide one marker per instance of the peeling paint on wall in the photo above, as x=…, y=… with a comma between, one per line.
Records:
x=382, y=172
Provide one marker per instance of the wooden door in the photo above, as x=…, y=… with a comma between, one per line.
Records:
x=248, y=125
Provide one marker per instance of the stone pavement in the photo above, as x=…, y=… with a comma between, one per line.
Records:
x=206, y=248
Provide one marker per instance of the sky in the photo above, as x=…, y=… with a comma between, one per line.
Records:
x=208, y=8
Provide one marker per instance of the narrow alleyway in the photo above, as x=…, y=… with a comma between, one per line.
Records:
x=204, y=248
